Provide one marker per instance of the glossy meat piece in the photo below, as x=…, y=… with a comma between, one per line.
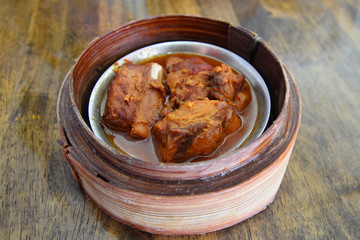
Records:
x=193, y=65
x=135, y=98
x=243, y=98
x=226, y=85
x=187, y=79
x=192, y=79
x=196, y=128
x=188, y=87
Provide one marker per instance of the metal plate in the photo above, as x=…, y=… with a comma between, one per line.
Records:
x=258, y=86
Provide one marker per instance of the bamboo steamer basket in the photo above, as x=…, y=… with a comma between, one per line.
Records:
x=186, y=198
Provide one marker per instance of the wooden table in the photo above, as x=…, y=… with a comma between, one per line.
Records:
x=319, y=41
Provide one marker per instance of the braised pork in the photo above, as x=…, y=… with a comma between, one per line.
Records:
x=196, y=128
x=135, y=98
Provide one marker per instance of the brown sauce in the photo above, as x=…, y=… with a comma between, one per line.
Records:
x=145, y=150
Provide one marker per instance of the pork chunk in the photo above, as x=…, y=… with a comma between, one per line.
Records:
x=188, y=87
x=187, y=79
x=135, y=98
x=193, y=65
x=226, y=85
x=196, y=128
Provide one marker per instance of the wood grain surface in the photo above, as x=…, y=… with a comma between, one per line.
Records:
x=317, y=40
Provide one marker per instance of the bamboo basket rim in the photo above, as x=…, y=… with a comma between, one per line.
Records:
x=230, y=160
